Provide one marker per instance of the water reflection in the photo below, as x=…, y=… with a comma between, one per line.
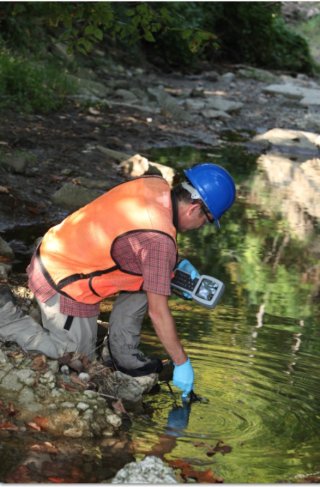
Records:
x=256, y=356
x=32, y=459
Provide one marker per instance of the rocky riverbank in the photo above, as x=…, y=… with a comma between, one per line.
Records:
x=45, y=159
x=69, y=397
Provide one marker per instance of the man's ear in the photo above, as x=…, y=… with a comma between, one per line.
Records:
x=194, y=207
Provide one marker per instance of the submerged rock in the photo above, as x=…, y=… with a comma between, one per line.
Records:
x=17, y=162
x=151, y=470
x=73, y=196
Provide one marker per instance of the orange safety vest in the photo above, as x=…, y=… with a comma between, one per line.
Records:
x=76, y=255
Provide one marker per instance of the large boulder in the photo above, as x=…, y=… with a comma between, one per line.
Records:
x=290, y=141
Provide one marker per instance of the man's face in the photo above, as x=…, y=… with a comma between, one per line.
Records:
x=192, y=217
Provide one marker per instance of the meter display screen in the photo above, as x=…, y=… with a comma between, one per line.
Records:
x=206, y=290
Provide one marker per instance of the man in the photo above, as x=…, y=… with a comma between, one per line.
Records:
x=123, y=242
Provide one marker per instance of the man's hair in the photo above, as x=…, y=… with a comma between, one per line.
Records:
x=182, y=194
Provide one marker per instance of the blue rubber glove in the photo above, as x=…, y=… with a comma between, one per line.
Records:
x=183, y=377
x=186, y=266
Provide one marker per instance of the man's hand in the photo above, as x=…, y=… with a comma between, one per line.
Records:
x=183, y=377
x=186, y=266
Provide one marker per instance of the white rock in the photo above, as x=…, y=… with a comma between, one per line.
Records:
x=288, y=89
x=26, y=376
x=151, y=470
x=91, y=394
x=82, y=406
x=308, y=96
x=3, y=357
x=84, y=376
x=114, y=420
x=297, y=139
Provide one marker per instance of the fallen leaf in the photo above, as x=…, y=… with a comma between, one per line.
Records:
x=68, y=387
x=75, y=379
x=6, y=425
x=220, y=447
x=41, y=421
x=208, y=477
x=39, y=362
x=16, y=355
x=56, y=480
x=5, y=259
x=118, y=406
x=45, y=447
x=33, y=426
x=187, y=472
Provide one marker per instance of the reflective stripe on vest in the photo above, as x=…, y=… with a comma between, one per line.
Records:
x=76, y=255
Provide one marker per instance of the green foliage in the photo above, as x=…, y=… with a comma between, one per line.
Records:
x=174, y=34
x=80, y=24
x=310, y=31
x=255, y=33
x=31, y=86
x=181, y=35
x=244, y=32
x=291, y=51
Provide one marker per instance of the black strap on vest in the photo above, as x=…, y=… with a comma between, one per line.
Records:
x=70, y=279
x=174, y=203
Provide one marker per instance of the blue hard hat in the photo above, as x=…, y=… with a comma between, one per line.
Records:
x=215, y=187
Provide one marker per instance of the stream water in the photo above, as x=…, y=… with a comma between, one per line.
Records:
x=256, y=356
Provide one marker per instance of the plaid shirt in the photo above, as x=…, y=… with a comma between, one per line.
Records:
x=151, y=254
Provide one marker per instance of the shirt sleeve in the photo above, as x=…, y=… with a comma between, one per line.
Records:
x=152, y=254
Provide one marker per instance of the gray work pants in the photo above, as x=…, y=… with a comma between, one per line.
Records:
x=61, y=334
x=125, y=324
